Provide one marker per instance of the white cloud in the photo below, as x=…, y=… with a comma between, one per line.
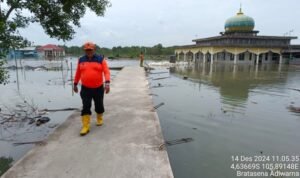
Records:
x=174, y=22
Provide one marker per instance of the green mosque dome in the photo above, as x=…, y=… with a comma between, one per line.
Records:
x=239, y=23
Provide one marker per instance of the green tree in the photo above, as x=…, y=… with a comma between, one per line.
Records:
x=157, y=49
x=5, y=164
x=156, y=52
x=57, y=17
x=3, y=73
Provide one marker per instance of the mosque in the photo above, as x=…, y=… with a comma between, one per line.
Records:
x=240, y=43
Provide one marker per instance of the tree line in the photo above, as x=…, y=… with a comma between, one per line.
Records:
x=124, y=52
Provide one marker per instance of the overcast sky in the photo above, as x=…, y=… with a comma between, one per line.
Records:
x=174, y=22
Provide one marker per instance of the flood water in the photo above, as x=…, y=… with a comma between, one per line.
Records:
x=40, y=89
x=228, y=111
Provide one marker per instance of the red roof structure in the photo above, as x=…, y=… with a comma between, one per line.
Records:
x=51, y=50
x=50, y=47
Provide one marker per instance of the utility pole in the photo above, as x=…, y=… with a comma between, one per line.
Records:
x=291, y=56
x=289, y=34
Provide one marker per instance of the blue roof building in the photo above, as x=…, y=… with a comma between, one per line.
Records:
x=27, y=52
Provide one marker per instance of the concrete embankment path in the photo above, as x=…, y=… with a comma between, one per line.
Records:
x=127, y=145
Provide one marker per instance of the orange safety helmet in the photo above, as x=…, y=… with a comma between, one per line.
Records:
x=89, y=45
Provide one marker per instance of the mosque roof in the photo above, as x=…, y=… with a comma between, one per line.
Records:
x=239, y=23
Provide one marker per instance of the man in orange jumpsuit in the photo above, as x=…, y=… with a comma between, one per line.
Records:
x=92, y=70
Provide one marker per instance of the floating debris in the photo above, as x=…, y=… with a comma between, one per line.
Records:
x=152, y=94
x=51, y=126
x=158, y=73
x=40, y=142
x=116, y=68
x=147, y=67
x=294, y=89
x=294, y=109
x=168, y=64
x=42, y=120
x=20, y=106
x=56, y=110
x=178, y=141
x=224, y=111
x=11, y=67
x=31, y=121
x=175, y=142
x=159, y=105
x=160, y=85
x=160, y=78
x=157, y=86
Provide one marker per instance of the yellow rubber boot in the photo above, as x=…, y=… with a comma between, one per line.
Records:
x=85, y=125
x=99, y=119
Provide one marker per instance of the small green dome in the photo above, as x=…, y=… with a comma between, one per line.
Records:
x=239, y=23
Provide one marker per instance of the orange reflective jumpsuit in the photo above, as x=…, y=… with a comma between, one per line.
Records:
x=92, y=72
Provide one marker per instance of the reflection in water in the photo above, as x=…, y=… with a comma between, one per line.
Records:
x=235, y=82
x=228, y=110
x=17, y=75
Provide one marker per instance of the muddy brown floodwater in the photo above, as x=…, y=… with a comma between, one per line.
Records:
x=228, y=111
